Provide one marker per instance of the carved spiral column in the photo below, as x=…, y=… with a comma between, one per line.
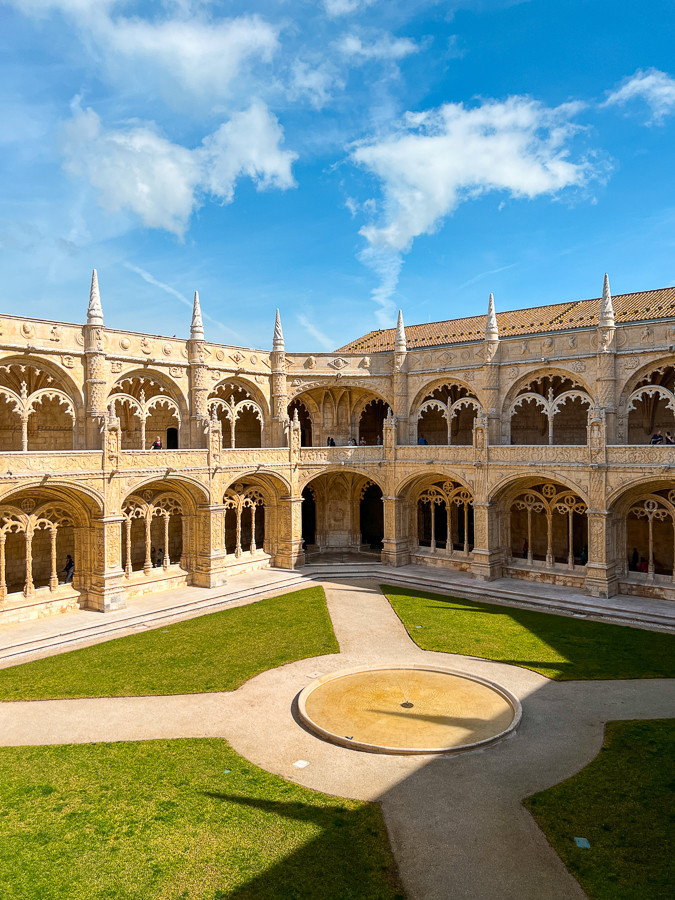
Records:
x=253, y=547
x=95, y=383
x=279, y=397
x=165, y=558
x=128, y=568
x=147, y=565
x=53, y=578
x=549, y=538
x=199, y=392
x=29, y=587
x=3, y=577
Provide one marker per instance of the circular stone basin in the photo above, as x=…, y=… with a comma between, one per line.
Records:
x=412, y=709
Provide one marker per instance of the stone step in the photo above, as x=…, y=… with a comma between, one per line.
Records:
x=124, y=621
x=130, y=619
x=577, y=606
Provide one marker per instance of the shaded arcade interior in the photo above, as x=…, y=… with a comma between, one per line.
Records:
x=342, y=511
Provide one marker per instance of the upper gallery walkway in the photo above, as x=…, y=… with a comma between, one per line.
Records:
x=75, y=462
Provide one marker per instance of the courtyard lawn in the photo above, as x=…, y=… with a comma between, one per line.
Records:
x=179, y=819
x=622, y=804
x=216, y=652
x=559, y=647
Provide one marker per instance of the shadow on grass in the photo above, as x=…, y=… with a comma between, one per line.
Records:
x=344, y=861
x=564, y=648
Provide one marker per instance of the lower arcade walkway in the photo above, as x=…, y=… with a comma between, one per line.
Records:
x=456, y=823
x=23, y=641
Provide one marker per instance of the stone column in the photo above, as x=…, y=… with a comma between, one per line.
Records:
x=601, y=571
x=491, y=369
x=279, y=387
x=106, y=590
x=400, y=383
x=290, y=554
x=198, y=378
x=396, y=543
x=606, y=362
x=96, y=393
x=487, y=553
x=208, y=551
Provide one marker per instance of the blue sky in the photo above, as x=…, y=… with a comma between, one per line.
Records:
x=338, y=159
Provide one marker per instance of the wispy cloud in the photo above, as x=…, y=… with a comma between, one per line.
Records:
x=322, y=339
x=383, y=47
x=656, y=88
x=167, y=288
x=386, y=263
x=485, y=275
x=336, y=8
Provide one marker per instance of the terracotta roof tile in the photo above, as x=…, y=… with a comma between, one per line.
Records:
x=638, y=307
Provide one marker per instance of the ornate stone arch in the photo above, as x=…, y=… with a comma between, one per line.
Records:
x=62, y=377
x=651, y=392
x=549, y=401
x=42, y=397
x=509, y=486
x=246, y=385
x=633, y=378
x=147, y=393
x=450, y=378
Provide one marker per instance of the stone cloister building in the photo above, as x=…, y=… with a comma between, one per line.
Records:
x=508, y=445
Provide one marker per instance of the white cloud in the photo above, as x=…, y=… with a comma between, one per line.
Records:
x=247, y=145
x=204, y=57
x=136, y=168
x=313, y=81
x=656, y=88
x=186, y=49
x=437, y=159
x=336, y=8
x=382, y=48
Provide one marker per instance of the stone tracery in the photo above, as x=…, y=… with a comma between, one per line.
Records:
x=444, y=517
x=446, y=415
x=241, y=417
x=544, y=502
x=145, y=409
x=549, y=410
x=28, y=520
x=45, y=411
x=244, y=520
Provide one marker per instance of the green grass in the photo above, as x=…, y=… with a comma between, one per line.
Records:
x=161, y=819
x=559, y=647
x=623, y=804
x=217, y=652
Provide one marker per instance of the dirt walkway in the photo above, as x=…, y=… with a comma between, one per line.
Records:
x=457, y=825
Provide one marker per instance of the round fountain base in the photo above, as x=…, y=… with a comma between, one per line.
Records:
x=408, y=709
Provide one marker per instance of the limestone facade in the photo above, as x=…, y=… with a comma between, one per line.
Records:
x=537, y=463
